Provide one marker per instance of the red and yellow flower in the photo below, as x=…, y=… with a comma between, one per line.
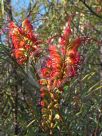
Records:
x=25, y=42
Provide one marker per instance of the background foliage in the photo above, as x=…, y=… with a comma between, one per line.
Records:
x=81, y=105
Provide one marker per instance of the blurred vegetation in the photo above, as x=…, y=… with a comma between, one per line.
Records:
x=81, y=103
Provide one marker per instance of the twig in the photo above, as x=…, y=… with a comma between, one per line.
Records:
x=90, y=9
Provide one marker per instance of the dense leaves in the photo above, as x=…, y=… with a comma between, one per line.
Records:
x=79, y=107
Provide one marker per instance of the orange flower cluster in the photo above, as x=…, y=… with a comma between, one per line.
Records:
x=60, y=65
x=25, y=41
x=63, y=59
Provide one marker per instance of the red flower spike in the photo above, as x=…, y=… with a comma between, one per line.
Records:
x=61, y=65
x=21, y=36
x=63, y=58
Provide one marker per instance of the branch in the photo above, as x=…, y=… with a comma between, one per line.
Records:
x=90, y=9
x=8, y=8
x=31, y=10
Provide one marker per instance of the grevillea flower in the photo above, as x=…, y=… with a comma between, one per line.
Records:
x=25, y=41
x=59, y=65
x=63, y=58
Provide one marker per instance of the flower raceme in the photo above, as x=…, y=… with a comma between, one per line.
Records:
x=63, y=58
x=25, y=41
x=59, y=65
